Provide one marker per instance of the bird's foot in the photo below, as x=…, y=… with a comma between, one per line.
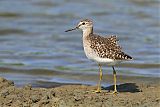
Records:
x=115, y=92
x=97, y=91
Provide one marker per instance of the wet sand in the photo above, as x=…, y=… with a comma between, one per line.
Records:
x=141, y=92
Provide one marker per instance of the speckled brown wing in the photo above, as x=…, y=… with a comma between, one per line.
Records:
x=107, y=47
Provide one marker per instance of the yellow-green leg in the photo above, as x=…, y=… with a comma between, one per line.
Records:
x=100, y=78
x=114, y=77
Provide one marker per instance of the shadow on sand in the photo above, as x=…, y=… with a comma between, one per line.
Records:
x=127, y=87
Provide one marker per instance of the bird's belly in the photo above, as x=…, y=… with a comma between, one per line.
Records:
x=92, y=55
x=106, y=61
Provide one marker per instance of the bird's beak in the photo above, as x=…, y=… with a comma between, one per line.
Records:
x=77, y=27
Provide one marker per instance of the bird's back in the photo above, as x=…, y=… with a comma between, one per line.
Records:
x=107, y=47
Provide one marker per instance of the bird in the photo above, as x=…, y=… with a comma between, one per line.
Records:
x=102, y=50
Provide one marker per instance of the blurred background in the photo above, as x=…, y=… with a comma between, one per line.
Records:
x=35, y=49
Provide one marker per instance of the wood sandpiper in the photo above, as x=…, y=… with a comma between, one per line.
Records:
x=103, y=50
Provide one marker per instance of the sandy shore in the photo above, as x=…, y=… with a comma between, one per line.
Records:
x=139, y=93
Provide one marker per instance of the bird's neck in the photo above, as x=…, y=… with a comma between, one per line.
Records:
x=87, y=32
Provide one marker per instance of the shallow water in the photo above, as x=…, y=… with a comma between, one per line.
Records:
x=32, y=36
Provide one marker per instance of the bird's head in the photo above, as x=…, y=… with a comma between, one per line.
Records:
x=83, y=24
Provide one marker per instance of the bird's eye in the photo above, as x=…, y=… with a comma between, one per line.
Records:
x=83, y=23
